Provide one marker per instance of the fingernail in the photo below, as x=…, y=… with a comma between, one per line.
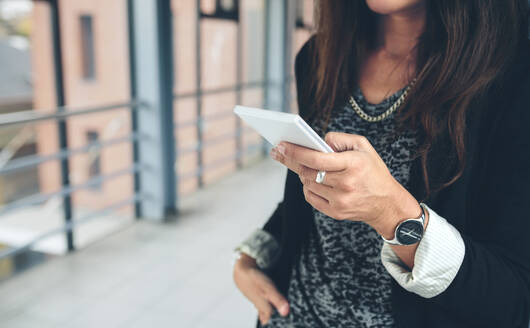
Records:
x=284, y=309
x=281, y=148
x=274, y=153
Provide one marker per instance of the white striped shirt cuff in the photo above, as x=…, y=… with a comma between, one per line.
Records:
x=261, y=246
x=437, y=260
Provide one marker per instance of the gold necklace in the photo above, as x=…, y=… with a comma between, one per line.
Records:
x=389, y=111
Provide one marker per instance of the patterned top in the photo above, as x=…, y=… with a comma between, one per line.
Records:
x=339, y=280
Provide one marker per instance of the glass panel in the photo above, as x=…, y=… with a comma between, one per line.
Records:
x=87, y=47
x=18, y=84
x=185, y=44
x=93, y=37
x=102, y=52
x=220, y=62
x=253, y=35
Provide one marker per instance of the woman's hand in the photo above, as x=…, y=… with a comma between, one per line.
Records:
x=357, y=186
x=258, y=289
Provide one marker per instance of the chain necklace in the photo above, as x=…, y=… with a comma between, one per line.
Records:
x=389, y=111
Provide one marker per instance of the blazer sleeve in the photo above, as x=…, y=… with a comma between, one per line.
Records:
x=492, y=286
x=274, y=224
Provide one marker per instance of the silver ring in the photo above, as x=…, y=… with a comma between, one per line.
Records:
x=320, y=176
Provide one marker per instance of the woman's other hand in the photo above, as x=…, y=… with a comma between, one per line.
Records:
x=357, y=186
x=259, y=289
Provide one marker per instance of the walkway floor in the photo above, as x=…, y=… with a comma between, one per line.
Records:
x=150, y=274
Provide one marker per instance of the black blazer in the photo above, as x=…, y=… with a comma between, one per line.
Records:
x=489, y=205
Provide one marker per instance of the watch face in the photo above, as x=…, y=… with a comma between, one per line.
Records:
x=409, y=232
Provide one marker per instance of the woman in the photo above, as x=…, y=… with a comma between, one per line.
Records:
x=421, y=217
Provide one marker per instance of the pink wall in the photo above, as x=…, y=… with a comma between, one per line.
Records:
x=111, y=85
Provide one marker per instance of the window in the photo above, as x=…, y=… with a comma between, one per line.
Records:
x=94, y=157
x=302, y=6
x=299, y=13
x=227, y=5
x=220, y=9
x=87, y=47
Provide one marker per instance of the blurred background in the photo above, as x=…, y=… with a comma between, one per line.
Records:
x=125, y=179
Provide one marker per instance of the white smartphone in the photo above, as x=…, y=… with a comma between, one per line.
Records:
x=278, y=126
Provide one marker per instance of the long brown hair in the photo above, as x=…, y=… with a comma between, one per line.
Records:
x=465, y=46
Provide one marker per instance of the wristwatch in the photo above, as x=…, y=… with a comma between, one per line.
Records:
x=410, y=231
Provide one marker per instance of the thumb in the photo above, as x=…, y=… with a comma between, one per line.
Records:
x=347, y=141
x=275, y=298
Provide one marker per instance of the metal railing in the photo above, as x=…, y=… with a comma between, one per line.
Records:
x=31, y=117
x=202, y=121
x=30, y=161
x=139, y=135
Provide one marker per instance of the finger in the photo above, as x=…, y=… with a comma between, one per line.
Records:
x=312, y=158
x=316, y=201
x=307, y=173
x=264, y=310
x=272, y=295
x=325, y=192
x=263, y=318
x=320, y=189
x=291, y=165
x=331, y=179
x=347, y=141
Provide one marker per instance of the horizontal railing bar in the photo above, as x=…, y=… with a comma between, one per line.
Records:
x=230, y=88
x=215, y=117
x=31, y=116
x=71, y=225
x=220, y=161
x=34, y=160
x=249, y=149
x=210, y=118
x=38, y=198
x=218, y=139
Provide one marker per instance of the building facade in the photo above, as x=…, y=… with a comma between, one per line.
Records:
x=95, y=54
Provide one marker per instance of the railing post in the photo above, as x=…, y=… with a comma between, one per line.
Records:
x=152, y=68
x=134, y=109
x=198, y=86
x=60, y=102
x=239, y=93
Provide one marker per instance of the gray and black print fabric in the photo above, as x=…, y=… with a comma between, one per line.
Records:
x=339, y=280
